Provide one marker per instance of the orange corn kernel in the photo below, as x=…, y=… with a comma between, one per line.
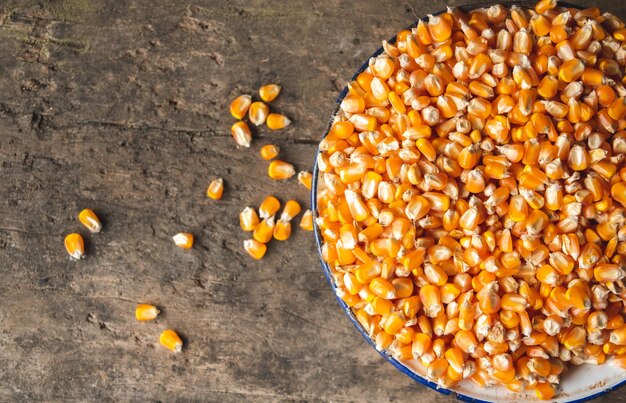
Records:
x=242, y=134
x=146, y=312
x=170, y=340
x=183, y=240
x=255, y=248
x=269, y=206
x=257, y=113
x=239, y=107
x=280, y=170
x=265, y=230
x=305, y=178
x=248, y=219
x=306, y=223
x=291, y=209
x=282, y=230
x=75, y=246
x=215, y=189
x=276, y=121
x=90, y=220
x=269, y=92
x=269, y=151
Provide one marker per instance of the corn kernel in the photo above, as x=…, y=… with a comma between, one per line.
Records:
x=170, y=340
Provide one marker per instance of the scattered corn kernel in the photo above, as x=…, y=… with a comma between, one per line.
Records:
x=269, y=151
x=240, y=105
x=183, y=240
x=215, y=189
x=90, y=220
x=269, y=92
x=276, y=121
x=248, y=219
x=305, y=179
x=258, y=113
x=255, y=248
x=269, y=207
x=306, y=223
x=280, y=170
x=75, y=246
x=146, y=312
x=242, y=134
x=170, y=340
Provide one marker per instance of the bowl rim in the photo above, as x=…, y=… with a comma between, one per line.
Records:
x=318, y=240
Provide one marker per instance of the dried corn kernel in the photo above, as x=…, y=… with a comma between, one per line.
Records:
x=240, y=105
x=258, y=113
x=170, y=340
x=306, y=223
x=241, y=133
x=248, y=219
x=280, y=170
x=269, y=206
x=269, y=92
x=215, y=189
x=269, y=152
x=305, y=179
x=276, y=121
x=255, y=248
x=183, y=240
x=75, y=246
x=90, y=220
x=146, y=312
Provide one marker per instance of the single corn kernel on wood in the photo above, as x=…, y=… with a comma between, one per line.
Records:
x=305, y=178
x=269, y=207
x=276, y=121
x=146, y=312
x=306, y=223
x=75, y=246
x=269, y=151
x=248, y=219
x=280, y=170
x=282, y=230
x=215, y=189
x=269, y=92
x=265, y=230
x=255, y=248
x=258, y=113
x=90, y=220
x=239, y=106
x=170, y=340
x=292, y=208
x=242, y=134
x=183, y=240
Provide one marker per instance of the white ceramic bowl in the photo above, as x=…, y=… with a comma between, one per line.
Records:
x=578, y=384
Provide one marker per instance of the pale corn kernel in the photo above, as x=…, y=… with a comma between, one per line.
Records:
x=170, y=340
x=90, y=220
x=75, y=246
x=183, y=240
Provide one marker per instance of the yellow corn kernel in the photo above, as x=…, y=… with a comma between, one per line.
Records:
x=146, y=312
x=258, y=113
x=306, y=223
x=305, y=178
x=291, y=209
x=255, y=248
x=215, y=189
x=276, y=121
x=183, y=240
x=75, y=246
x=248, y=219
x=240, y=105
x=265, y=230
x=170, y=340
x=280, y=170
x=90, y=220
x=282, y=230
x=242, y=134
x=269, y=151
x=269, y=92
x=269, y=207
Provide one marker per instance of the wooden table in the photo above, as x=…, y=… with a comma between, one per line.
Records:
x=121, y=106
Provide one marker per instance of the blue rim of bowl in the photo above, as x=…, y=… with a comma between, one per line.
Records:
x=327, y=273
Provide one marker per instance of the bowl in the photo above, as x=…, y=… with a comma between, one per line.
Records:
x=579, y=384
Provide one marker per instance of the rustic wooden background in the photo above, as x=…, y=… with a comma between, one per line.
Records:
x=121, y=106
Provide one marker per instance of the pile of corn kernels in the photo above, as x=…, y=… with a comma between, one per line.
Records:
x=473, y=192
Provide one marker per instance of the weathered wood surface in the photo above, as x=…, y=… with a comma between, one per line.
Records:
x=121, y=106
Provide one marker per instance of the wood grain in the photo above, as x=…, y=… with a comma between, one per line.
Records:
x=122, y=107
